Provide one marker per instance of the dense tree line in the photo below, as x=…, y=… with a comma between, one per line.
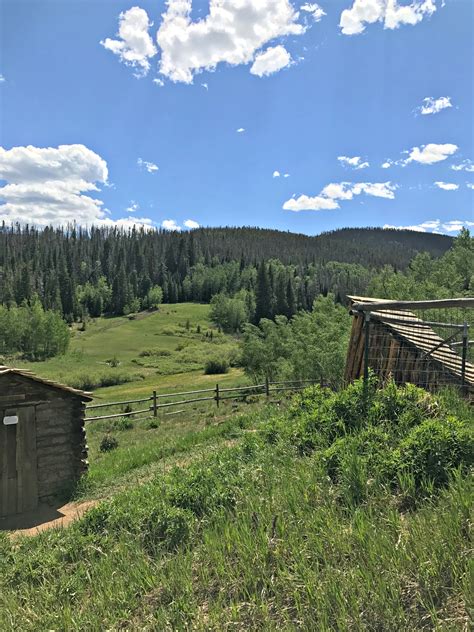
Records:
x=78, y=272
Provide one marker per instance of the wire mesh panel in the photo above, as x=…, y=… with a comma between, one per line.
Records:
x=426, y=343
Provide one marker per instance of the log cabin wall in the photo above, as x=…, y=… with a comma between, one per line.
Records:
x=45, y=451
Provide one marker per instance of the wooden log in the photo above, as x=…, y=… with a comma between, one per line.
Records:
x=404, y=305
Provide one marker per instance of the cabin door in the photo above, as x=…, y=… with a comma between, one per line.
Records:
x=18, y=462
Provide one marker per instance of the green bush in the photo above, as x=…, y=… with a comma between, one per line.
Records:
x=216, y=366
x=108, y=443
x=89, y=382
x=122, y=423
x=435, y=448
x=167, y=527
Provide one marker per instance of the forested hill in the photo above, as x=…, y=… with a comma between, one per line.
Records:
x=371, y=247
x=79, y=272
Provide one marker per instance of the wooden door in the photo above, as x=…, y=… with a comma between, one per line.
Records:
x=18, y=463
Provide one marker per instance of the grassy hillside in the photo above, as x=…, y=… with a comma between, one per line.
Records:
x=164, y=350
x=349, y=511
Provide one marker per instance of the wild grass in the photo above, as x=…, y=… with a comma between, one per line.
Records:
x=116, y=357
x=277, y=531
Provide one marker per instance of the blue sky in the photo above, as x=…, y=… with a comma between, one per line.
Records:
x=88, y=113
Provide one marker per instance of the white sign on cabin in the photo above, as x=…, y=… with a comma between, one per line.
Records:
x=10, y=420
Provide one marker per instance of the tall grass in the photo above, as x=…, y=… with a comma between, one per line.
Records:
x=274, y=533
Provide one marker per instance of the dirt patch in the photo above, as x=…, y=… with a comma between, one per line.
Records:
x=45, y=517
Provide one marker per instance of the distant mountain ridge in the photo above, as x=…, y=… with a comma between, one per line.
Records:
x=371, y=247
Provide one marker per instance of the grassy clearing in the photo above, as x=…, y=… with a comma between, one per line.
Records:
x=119, y=358
x=286, y=528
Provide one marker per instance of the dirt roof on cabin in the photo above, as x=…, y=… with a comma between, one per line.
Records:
x=84, y=395
x=418, y=334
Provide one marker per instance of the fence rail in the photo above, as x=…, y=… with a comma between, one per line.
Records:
x=219, y=394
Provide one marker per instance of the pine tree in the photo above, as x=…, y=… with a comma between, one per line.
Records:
x=290, y=298
x=263, y=307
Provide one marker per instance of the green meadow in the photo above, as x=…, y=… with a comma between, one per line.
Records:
x=128, y=357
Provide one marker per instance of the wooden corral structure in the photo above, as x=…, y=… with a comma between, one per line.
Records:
x=404, y=347
x=43, y=448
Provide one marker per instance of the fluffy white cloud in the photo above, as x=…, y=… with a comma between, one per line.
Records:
x=307, y=203
x=436, y=226
x=159, y=82
x=276, y=174
x=447, y=186
x=47, y=186
x=270, y=61
x=286, y=175
x=387, y=164
x=353, y=21
x=433, y=106
x=316, y=11
x=149, y=166
x=2, y=79
x=233, y=32
x=170, y=224
x=241, y=130
x=135, y=46
x=465, y=165
x=470, y=185
x=327, y=199
x=355, y=162
x=191, y=223
x=431, y=153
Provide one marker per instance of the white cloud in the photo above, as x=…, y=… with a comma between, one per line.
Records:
x=431, y=153
x=353, y=21
x=149, y=166
x=470, y=185
x=316, y=11
x=436, y=226
x=205, y=86
x=2, y=79
x=48, y=186
x=134, y=207
x=135, y=46
x=433, y=106
x=240, y=130
x=233, y=32
x=286, y=175
x=191, y=223
x=270, y=61
x=306, y=203
x=276, y=174
x=465, y=165
x=447, y=186
x=159, y=82
x=327, y=199
x=170, y=224
x=387, y=164
x=355, y=162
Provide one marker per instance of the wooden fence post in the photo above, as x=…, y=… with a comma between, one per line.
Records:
x=267, y=386
x=217, y=395
x=366, y=347
x=465, y=344
x=155, y=410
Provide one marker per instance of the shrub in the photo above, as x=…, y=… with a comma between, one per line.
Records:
x=89, y=382
x=167, y=527
x=108, y=443
x=216, y=366
x=113, y=362
x=122, y=423
x=434, y=448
